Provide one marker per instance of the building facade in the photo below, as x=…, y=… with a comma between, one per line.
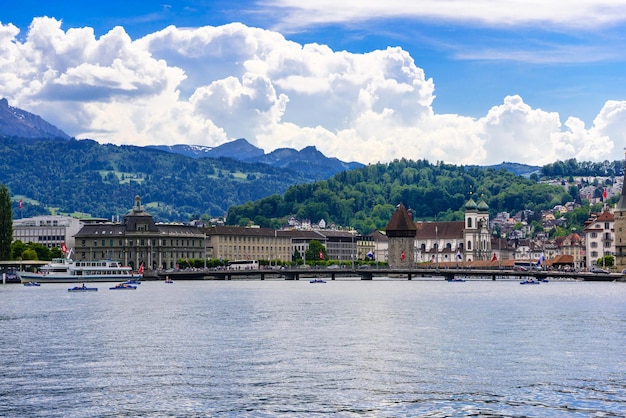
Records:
x=139, y=240
x=243, y=243
x=599, y=236
x=50, y=230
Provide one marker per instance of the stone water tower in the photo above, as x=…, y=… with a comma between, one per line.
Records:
x=401, y=235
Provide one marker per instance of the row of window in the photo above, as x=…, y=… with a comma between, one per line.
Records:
x=142, y=243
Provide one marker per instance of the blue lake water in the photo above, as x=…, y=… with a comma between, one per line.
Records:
x=381, y=348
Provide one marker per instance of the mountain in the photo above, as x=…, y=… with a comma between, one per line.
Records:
x=308, y=161
x=101, y=180
x=19, y=123
x=516, y=168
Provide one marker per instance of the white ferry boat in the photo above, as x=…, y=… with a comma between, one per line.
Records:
x=66, y=270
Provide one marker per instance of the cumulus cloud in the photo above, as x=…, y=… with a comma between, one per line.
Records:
x=209, y=85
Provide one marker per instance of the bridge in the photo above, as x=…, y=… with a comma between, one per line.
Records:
x=408, y=274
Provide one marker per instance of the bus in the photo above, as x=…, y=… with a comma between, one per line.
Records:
x=525, y=265
x=243, y=265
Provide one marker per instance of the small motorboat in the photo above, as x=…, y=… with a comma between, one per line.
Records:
x=169, y=281
x=82, y=288
x=529, y=281
x=123, y=286
x=133, y=282
x=32, y=284
x=317, y=281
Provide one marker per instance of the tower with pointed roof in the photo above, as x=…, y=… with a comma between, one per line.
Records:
x=401, y=238
x=476, y=235
x=620, y=229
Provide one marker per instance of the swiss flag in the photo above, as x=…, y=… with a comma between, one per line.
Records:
x=603, y=194
x=321, y=255
x=141, y=269
x=402, y=256
x=494, y=258
x=63, y=248
x=20, y=204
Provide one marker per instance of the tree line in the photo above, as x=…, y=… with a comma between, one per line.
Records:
x=365, y=198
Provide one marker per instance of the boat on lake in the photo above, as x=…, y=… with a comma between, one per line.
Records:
x=66, y=270
x=529, y=281
x=82, y=288
x=317, y=281
x=123, y=286
x=29, y=284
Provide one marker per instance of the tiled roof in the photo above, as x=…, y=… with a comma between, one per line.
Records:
x=444, y=230
x=400, y=223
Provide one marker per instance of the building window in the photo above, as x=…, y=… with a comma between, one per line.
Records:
x=469, y=222
x=469, y=245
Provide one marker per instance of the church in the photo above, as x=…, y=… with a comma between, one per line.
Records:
x=440, y=242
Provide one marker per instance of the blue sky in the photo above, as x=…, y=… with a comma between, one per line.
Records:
x=476, y=82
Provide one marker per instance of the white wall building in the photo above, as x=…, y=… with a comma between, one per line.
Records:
x=48, y=230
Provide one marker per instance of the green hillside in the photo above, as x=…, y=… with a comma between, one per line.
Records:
x=366, y=197
x=69, y=176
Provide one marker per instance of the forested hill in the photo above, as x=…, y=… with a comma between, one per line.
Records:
x=365, y=198
x=70, y=176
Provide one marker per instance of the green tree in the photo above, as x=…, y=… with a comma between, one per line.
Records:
x=6, y=223
x=29, y=254
x=17, y=248
x=315, y=249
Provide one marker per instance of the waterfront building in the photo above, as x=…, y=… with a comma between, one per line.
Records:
x=247, y=243
x=599, y=236
x=572, y=245
x=341, y=245
x=381, y=245
x=438, y=242
x=300, y=240
x=139, y=240
x=48, y=230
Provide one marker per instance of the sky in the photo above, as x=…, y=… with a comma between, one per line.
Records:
x=463, y=82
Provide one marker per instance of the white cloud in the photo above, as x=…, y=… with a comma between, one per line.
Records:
x=562, y=13
x=209, y=85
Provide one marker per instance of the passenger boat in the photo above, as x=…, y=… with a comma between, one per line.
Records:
x=66, y=270
x=82, y=288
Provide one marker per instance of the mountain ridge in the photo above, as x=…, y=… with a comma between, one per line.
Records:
x=16, y=122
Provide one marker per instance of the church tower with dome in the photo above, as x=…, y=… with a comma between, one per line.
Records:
x=476, y=235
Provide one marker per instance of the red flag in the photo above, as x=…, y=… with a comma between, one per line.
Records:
x=63, y=248
x=494, y=258
x=321, y=255
x=141, y=269
x=402, y=256
x=603, y=194
x=20, y=204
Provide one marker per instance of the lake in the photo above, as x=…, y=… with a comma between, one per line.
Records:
x=347, y=348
